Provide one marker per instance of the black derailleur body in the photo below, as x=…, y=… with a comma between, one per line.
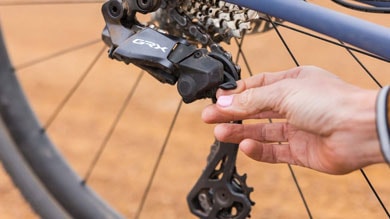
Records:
x=198, y=72
x=220, y=192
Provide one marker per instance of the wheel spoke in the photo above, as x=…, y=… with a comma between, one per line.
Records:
x=289, y=166
x=361, y=170
x=56, y=54
x=112, y=128
x=157, y=164
x=279, y=24
x=240, y=53
x=363, y=67
x=350, y=51
x=72, y=90
x=300, y=191
x=375, y=193
x=283, y=41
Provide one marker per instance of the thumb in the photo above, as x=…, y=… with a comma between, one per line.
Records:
x=252, y=101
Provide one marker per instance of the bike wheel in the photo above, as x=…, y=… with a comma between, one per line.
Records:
x=87, y=115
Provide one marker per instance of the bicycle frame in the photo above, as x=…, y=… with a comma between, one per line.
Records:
x=365, y=35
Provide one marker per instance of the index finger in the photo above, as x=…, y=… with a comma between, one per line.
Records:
x=260, y=80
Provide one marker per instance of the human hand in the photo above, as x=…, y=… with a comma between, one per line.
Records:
x=329, y=124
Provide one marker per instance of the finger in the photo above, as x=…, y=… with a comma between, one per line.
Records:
x=211, y=114
x=265, y=152
x=262, y=132
x=253, y=95
x=267, y=78
x=260, y=80
x=252, y=102
x=269, y=115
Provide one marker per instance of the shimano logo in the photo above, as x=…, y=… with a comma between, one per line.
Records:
x=150, y=44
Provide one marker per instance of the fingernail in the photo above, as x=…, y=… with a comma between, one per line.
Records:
x=225, y=101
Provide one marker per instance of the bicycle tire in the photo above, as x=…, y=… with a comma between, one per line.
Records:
x=39, y=153
x=31, y=187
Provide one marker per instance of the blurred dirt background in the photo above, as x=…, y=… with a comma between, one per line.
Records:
x=121, y=174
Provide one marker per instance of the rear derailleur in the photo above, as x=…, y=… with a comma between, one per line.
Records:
x=220, y=192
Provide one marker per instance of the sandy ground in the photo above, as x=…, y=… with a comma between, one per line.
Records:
x=121, y=174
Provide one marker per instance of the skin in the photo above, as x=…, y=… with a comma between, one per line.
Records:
x=323, y=123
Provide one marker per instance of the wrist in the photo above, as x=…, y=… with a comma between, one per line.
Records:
x=359, y=124
x=368, y=114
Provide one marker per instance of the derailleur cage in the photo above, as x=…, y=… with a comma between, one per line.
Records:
x=220, y=191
